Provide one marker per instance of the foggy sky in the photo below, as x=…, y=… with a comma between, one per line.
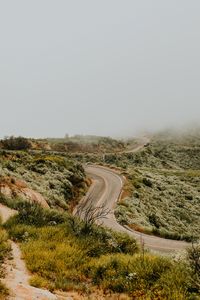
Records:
x=105, y=67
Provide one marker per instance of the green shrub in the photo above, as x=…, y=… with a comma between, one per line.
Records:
x=33, y=214
x=4, y=252
x=122, y=273
x=4, y=246
x=193, y=257
x=124, y=243
x=3, y=292
x=14, y=204
x=176, y=283
x=147, y=182
x=60, y=180
x=16, y=143
x=61, y=258
x=163, y=208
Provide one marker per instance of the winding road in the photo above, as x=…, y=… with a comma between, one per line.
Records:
x=105, y=191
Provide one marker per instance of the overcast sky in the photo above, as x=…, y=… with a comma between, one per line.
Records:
x=106, y=67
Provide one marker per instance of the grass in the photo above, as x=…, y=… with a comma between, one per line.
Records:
x=141, y=276
x=57, y=255
x=62, y=257
x=4, y=252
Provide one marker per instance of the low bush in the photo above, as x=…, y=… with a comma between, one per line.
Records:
x=4, y=247
x=193, y=258
x=59, y=257
x=60, y=180
x=33, y=214
x=164, y=208
x=16, y=143
x=4, y=252
x=143, y=277
x=14, y=204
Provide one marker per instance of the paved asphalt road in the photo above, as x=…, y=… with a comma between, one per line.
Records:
x=105, y=191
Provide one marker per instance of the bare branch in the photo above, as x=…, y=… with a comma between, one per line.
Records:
x=91, y=214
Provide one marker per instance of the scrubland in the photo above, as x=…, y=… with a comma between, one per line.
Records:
x=73, y=144
x=4, y=253
x=164, y=187
x=61, y=181
x=62, y=255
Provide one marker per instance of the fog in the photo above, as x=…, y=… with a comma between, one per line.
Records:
x=98, y=67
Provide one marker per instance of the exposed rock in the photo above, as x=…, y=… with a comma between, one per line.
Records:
x=12, y=188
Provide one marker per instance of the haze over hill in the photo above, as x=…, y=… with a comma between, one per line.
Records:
x=105, y=68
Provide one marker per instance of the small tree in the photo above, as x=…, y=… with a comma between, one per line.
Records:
x=16, y=143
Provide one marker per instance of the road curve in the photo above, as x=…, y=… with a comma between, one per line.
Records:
x=105, y=191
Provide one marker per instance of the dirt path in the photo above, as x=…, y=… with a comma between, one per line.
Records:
x=17, y=279
x=17, y=276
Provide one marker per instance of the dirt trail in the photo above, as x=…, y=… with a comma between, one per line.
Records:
x=17, y=276
x=17, y=279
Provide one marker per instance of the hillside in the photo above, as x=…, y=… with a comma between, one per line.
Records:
x=86, y=144
x=74, y=144
x=164, y=186
x=58, y=181
x=75, y=258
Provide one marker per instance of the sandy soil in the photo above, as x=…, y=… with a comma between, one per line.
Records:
x=6, y=213
x=17, y=276
x=12, y=187
x=17, y=279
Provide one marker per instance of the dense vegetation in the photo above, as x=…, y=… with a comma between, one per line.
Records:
x=59, y=180
x=163, y=190
x=4, y=252
x=74, y=144
x=15, y=143
x=64, y=253
x=61, y=254
x=164, y=187
x=165, y=202
x=87, y=144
